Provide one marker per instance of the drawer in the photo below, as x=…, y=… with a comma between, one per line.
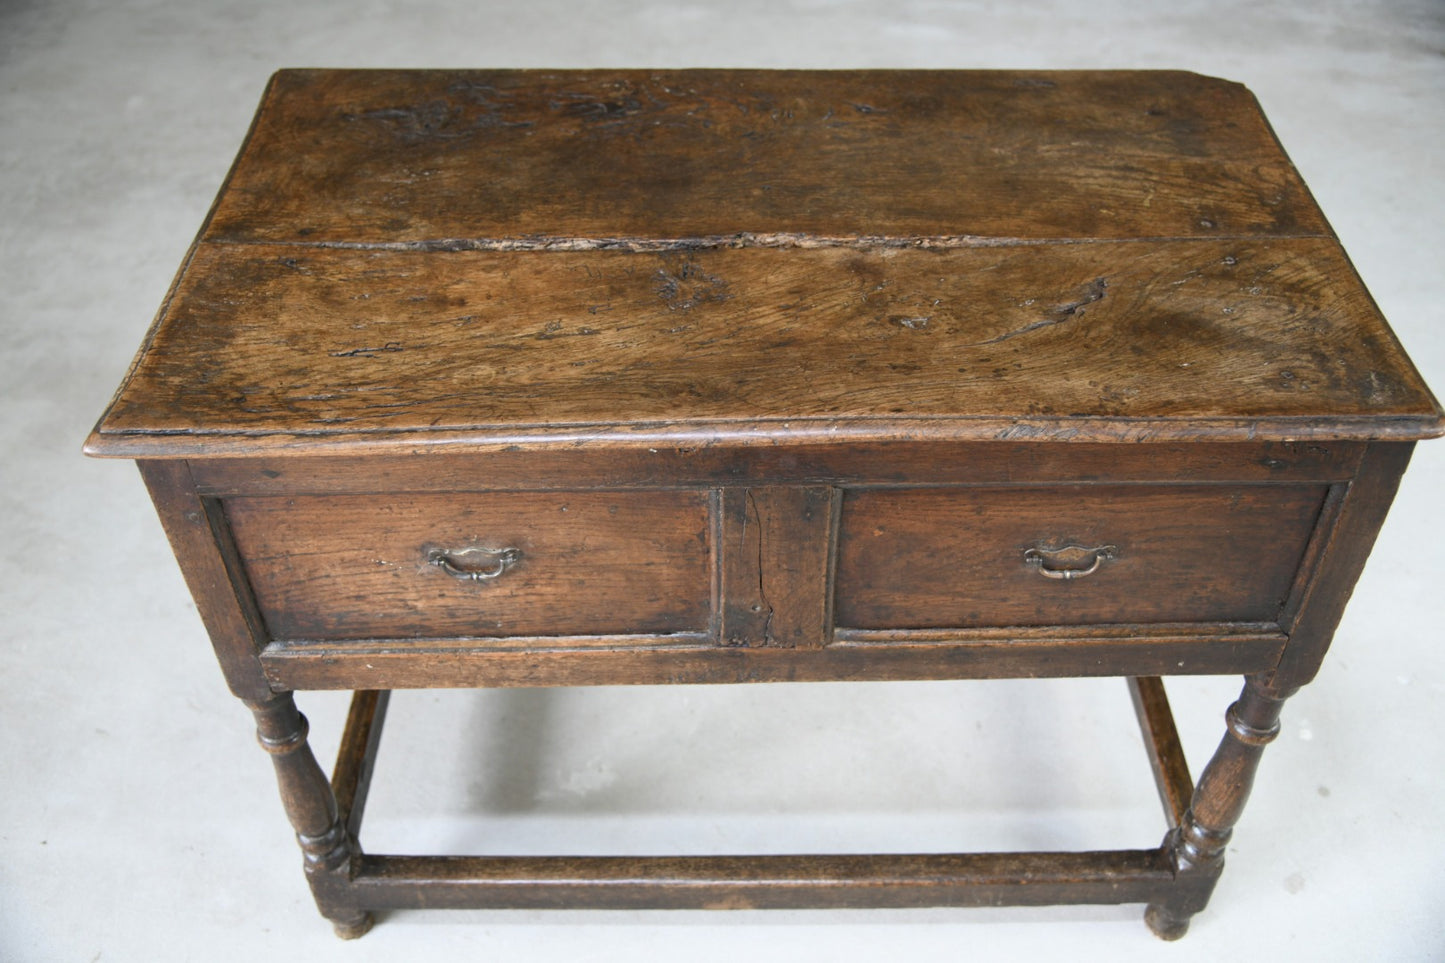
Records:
x=1070, y=555
x=476, y=564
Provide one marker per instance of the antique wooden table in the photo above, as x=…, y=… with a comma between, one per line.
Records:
x=563, y=378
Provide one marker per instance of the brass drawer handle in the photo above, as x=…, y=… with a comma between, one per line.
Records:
x=1068, y=562
x=474, y=564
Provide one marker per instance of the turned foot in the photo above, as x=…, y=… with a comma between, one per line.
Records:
x=1196, y=846
x=1165, y=924
x=352, y=927
x=310, y=806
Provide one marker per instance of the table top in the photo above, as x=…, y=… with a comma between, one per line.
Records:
x=418, y=260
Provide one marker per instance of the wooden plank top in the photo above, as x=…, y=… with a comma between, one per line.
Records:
x=633, y=156
x=408, y=259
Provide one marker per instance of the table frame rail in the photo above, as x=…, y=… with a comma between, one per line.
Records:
x=383, y=882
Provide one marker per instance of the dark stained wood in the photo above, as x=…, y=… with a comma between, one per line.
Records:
x=845, y=465
x=202, y=546
x=951, y=557
x=356, y=756
x=777, y=551
x=1161, y=742
x=1196, y=846
x=522, y=378
x=1341, y=559
x=304, y=350
x=760, y=882
x=1056, y=651
x=633, y=157
x=1319, y=540
x=356, y=566
x=311, y=808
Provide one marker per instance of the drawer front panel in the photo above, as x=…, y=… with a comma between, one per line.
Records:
x=477, y=565
x=1070, y=555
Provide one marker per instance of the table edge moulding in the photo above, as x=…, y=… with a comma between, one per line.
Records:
x=480, y=378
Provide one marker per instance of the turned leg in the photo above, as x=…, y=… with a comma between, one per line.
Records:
x=1196, y=846
x=311, y=807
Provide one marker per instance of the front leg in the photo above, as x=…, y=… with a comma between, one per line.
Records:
x=1196, y=846
x=311, y=807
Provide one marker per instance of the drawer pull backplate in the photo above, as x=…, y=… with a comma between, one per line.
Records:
x=1069, y=562
x=474, y=564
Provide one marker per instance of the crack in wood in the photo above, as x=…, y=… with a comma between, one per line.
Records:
x=762, y=603
x=389, y=348
x=1094, y=291
x=741, y=239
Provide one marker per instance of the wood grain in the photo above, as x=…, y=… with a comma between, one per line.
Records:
x=776, y=565
x=343, y=567
x=202, y=544
x=956, y=557
x=726, y=357
x=844, y=465
x=760, y=882
x=266, y=348
x=356, y=756
x=1161, y=743
x=698, y=156
x=1342, y=555
x=404, y=259
x=1197, y=844
x=1046, y=652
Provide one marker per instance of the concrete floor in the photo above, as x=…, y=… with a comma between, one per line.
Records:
x=137, y=818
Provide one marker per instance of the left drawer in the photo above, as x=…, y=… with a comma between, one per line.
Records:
x=477, y=565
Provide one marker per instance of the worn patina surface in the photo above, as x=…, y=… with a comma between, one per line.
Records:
x=517, y=256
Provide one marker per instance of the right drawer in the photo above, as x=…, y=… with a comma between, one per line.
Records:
x=1070, y=554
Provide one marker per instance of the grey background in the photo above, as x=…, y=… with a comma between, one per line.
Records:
x=138, y=820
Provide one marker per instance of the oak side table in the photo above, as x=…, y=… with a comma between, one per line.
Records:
x=510, y=378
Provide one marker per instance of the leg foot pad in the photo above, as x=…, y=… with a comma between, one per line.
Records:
x=1165, y=924
x=350, y=929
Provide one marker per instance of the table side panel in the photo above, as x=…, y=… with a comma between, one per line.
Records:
x=1340, y=557
x=201, y=540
